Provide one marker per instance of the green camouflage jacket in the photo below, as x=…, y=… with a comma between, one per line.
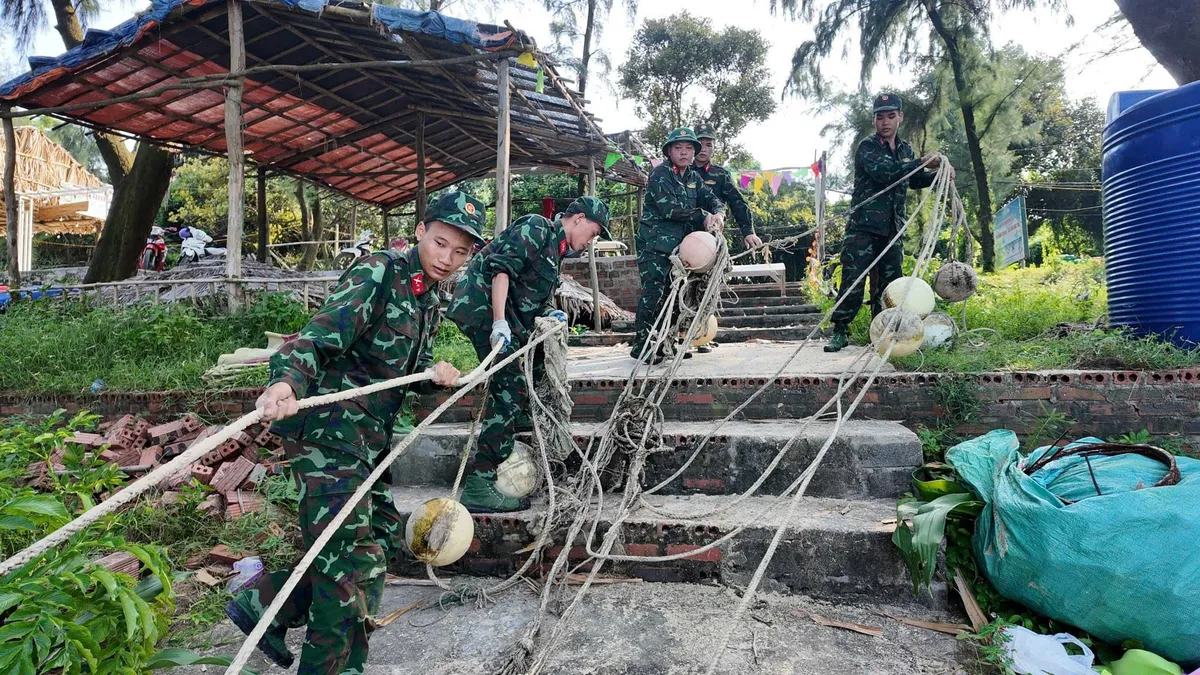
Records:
x=530, y=252
x=378, y=324
x=718, y=179
x=675, y=205
x=876, y=166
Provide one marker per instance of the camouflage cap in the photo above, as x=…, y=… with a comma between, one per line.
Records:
x=594, y=210
x=681, y=134
x=458, y=209
x=886, y=102
x=706, y=131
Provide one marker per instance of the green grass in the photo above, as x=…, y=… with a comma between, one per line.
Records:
x=65, y=347
x=1040, y=318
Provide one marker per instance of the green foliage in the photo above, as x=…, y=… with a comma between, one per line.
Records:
x=919, y=542
x=454, y=348
x=680, y=71
x=66, y=346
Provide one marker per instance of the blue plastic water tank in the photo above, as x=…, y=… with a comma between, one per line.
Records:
x=1152, y=215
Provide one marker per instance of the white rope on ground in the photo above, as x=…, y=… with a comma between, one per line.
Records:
x=468, y=383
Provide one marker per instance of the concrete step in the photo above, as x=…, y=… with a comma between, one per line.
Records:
x=644, y=629
x=869, y=459
x=754, y=309
x=834, y=548
x=775, y=334
x=762, y=301
x=795, y=289
x=760, y=320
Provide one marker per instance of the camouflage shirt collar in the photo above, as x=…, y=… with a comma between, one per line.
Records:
x=416, y=273
x=899, y=142
x=560, y=237
x=703, y=167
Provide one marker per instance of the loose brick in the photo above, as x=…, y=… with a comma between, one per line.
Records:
x=711, y=555
x=151, y=456
x=267, y=439
x=222, y=555
x=212, y=506
x=202, y=473
x=257, y=475
x=240, y=502
x=231, y=475
x=121, y=562
x=87, y=440
x=170, y=498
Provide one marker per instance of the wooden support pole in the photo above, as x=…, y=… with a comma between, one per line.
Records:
x=591, y=190
x=421, y=194
x=387, y=238
x=10, y=200
x=637, y=218
x=233, y=142
x=502, y=146
x=264, y=236
x=819, y=257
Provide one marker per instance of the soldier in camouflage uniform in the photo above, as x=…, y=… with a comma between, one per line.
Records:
x=508, y=285
x=677, y=203
x=378, y=324
x=879, y=161
x=718, y=179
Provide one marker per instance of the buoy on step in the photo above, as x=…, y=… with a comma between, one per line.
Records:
x=912, y=294
x=955, y=282
x=439, y=532
x=898, y=326
x=709, y=332
x=519, y=475
x=939, y=329
x=698, y=252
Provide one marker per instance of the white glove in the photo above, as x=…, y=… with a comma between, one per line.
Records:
x=501, y=333
x=558, y=314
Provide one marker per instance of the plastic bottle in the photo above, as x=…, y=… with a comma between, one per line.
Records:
x=247, y=570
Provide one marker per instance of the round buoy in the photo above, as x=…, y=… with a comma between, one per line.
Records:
x=915, y=294
x=900, y=326
x=439, y=532
x=709, y=334
x=518, y=476
x=939, y=329
x=955, y=282
x=698, y=251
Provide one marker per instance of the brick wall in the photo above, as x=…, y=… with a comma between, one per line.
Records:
x=618, y=276
x=1102, y=403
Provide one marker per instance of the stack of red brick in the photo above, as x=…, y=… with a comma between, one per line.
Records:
x=233, y=469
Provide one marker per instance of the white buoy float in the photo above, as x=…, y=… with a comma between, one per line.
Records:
x=709, y=332
x=900, y=326
x=939, y=329
x=698, y=252
x=955, y=282
x=439, y=532
x=519, y=475
x=914, y=293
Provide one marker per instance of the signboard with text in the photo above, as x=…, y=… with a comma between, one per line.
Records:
x=1012, y=237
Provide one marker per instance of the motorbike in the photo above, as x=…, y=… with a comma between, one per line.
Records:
x=195, y=246
x=154, y=254
x=361, y=248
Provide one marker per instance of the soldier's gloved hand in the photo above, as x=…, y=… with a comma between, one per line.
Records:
x=501, y=333
x=277, y=402
x=558, y=314
x=444, y=374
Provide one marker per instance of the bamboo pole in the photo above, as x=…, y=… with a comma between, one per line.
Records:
x=503, y=145
x=264, y=236
x=637, y=219
x=596, y=323
x=421, y=194
x=233, y=143
x=10, y=200
x=387, y=239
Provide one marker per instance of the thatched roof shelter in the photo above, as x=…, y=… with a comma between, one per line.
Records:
x=66, y=198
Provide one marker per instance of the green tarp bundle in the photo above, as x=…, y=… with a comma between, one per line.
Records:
x=1123, y=564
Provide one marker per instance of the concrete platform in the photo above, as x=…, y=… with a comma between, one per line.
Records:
x=789, y=333
x=648, y=629
x=834, y=548
x=730, y=360
x=869, y=459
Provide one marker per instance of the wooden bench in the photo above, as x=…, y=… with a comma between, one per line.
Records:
x=776, y=271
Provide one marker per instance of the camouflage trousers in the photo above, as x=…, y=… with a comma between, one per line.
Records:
x=506, y=407
x=858, y=252
x=344, y=586
x=655, y=269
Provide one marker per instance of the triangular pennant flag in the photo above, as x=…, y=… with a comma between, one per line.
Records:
x=612, y=158
x=775, y=180
x=639, y=160
x=787, y=177
x=526, y=59
x=541, y=81
x=745, y=180
x=759, y=181
x=655, y=162
x=816, y=168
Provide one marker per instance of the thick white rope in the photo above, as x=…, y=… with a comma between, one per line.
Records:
x=468, y=383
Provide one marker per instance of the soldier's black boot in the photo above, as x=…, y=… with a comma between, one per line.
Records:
x=839, y=339
x=271, y=645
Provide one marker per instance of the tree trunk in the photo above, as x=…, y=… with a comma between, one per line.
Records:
x=10, y=201
x=589, y=29
x=136, y=200
x=1170, y=32
x=317, y=231
x=984, y=216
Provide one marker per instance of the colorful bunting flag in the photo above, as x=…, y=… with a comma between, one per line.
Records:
x=744, y=181
x=526, y=59
x=540, y=87
x=787, y=177
x=775, y=180
x=759, y=181
x=816, y=168
x=612, y=158
x=639, y=160
x=655, y=162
